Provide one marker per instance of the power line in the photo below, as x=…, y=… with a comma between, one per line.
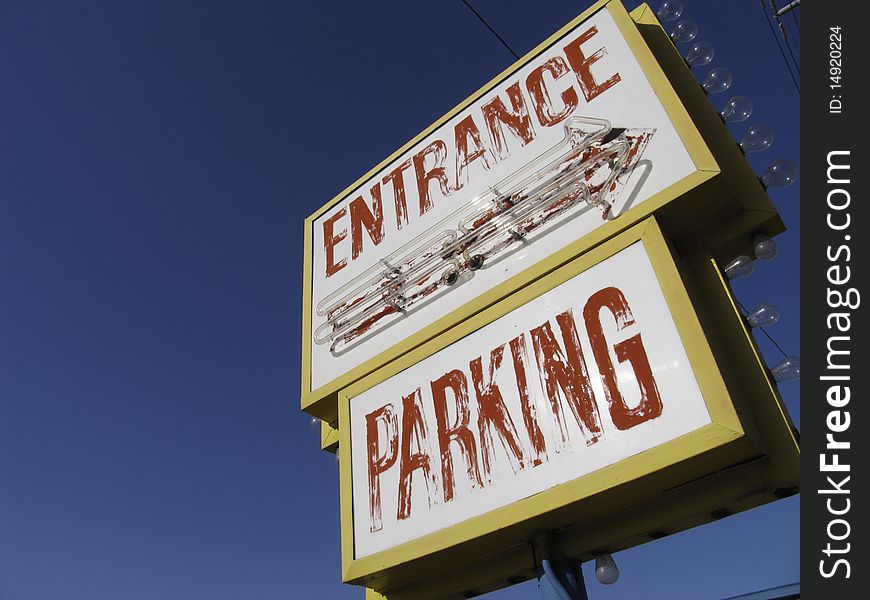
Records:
x=777, y=13
x=779, y=45
x=773, y=341
x=488, y=26
x=788, y=45
x=763, y=330
x=797, y=23
x=784, y=31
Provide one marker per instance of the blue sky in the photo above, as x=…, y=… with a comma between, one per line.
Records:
x=156, y=162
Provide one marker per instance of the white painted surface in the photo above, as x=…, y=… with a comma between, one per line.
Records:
x=630, y=103
x=683, y=408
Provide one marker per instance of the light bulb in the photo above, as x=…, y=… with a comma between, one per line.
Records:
x=788, y=369
x=739, y=267
x=780, y=173
x=700, y=54
x=684, y=31
x=606, y=570
x=757, y=138
x=736, y=110
x=764, y=315
x=314, y=425
x=718, y=80
x=670, y=10
x=765, y=248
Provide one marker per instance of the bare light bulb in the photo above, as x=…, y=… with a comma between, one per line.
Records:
x=736, y=110
x=670, y=10
x=606, y=570
x=780, y=173
x=684, y=31
x=718, y=80
x=757, y=138
x=765, y=248
x=700, y=54
x=314, y=425
x=764, y=315
x=739, y=267
x=788, y=369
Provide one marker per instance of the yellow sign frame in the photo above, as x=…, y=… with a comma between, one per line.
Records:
x=746, y=456
x=721, y=203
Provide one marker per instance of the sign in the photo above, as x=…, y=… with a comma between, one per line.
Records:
x=584, y=376
x=595, y=378
x=577, y=141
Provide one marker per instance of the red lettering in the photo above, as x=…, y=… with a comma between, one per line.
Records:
x=397, y=179
x=566, y=371
x=331, y=240
x=517, y=119
x=457, y=432
x=370, y=220
x=414, y=430
x=493, y=415
x=631, y=351
x=438, y=150
x=582, y=66
x=464, y=130
x=556, y=67
x=530, y=410
x=380, y=463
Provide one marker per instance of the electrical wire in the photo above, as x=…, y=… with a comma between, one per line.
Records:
x=788, y=45
x=797, y=23
x=488, y=26
x=779, y=45
x=772, y=341
x=762, y=329
x=782, y=28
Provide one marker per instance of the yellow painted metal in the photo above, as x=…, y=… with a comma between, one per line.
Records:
x=736, y=462
x=720, y=205
x=328, y=436
x=728, y=229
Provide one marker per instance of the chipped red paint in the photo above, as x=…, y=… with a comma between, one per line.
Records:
x=478, y=240
x=564, y=372
x=582, y=65
x=438, y=150
x=464, y=131
x=485, y=218
x=494, y=416
x=368, y=323
x=397, y=180
x=554, y=90
x=495, y=114
x=331, y=240
x=364, y=219
x=458, y=432
x=547, y=115
x=411, y=460
x=558, y=370
x=630, y=350
x=530, y=412
x=379, y=464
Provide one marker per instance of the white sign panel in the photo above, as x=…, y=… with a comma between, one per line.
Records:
x=584, y=376
x=569, y=141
